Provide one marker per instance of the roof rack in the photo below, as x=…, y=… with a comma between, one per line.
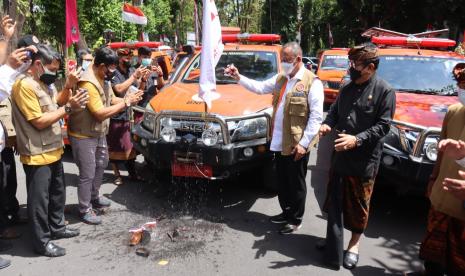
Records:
x=428, y=39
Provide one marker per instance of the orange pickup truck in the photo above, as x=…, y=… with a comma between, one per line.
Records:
x=177, y=136
x=332, y=68
x=420, y=70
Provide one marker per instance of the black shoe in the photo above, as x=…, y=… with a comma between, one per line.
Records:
x=53, y=250
x=289, y=229
x=4, y=263
x=321, y=244
x=66, y=234
x=281, y=218
x=350, y=260
x=4, y=246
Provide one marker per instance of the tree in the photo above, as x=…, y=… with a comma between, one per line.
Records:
x=280, y=17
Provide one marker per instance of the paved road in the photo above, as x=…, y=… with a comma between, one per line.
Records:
x=220, y=228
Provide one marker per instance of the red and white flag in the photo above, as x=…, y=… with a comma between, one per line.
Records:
x=72, y=26
x=133, y=14
x=212, y=48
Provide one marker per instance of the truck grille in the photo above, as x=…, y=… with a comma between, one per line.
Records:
x=334, y=85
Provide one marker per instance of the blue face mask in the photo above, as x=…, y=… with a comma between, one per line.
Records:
x=85, y=64
x=146, y=62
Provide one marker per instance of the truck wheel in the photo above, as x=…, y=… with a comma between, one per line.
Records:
x=269, y=175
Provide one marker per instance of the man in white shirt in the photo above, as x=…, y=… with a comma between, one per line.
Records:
x=297, y=115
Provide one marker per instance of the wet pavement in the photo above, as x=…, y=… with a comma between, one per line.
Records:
x=219, y=228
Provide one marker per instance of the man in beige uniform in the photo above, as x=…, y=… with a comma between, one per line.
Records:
x=40, y=145
x=88, y=128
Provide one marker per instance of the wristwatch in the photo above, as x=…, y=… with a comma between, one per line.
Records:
x=358, y=141
x=68, y=109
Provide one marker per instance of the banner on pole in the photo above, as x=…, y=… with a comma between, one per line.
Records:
x=133, y=15
x=72, y=26
x=212, y=49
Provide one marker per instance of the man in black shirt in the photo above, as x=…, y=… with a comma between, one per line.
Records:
x=361, y=116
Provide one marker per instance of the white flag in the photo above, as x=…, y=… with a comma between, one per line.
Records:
x=212, y=48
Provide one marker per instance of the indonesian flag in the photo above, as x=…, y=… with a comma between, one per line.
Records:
x=133, y=14
x=72, y=26
x=212, y=48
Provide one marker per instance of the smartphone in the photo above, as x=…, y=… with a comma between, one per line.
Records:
x=132, y=89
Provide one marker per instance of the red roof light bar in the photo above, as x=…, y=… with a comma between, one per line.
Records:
x=413, y=41
x=232, y=38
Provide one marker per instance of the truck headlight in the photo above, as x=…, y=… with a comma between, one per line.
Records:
x=149, y=121
x=431, y=148
x=209, y=137
x=250, y=129
x=168, y=134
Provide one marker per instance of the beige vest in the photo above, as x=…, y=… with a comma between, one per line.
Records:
x=296, y=110
x=30, y=140
x=82, y=121
x=7, y=122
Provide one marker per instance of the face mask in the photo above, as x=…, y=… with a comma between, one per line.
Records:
x=85, y=64
x=146, y=62
x=287, y=68
x=48, y=77
x=354, y=74
x=461, y=94
x=126, y=63
x=110, y=73
x=134, y=61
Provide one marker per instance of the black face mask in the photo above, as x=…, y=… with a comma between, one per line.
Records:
x=109, y=75
x=354, y=74
x=48, y=78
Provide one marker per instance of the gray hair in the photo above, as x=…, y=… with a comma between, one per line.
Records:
x=294, y=47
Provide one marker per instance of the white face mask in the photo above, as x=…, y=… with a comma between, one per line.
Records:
x=287, y=68
x=461, y=94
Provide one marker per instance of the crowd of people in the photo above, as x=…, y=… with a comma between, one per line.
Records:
x=95, y=99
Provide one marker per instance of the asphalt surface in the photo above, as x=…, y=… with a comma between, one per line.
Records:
x=219, y=228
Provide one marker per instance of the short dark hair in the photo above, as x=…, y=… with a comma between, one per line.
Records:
x=45, y=54
x=144, y=51
x=106, y=56
x=459, y=72
x=82, y=53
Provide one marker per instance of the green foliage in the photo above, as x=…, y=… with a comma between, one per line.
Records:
x=280, y=17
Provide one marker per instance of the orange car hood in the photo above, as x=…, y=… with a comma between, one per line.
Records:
x=331, y=75
x=234, y=100
x=420, y=109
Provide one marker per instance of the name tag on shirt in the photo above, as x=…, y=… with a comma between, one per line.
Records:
x=298, y=94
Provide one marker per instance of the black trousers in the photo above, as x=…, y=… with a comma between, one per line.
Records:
x=334, y=250
x=292, y=188
x=45, y=201
x=9, y=205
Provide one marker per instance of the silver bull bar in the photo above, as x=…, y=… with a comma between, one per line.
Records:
x=197, y=116
x=416, y=153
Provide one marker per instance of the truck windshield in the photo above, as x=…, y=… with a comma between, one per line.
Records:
x=256, y=65
x=419, y=74
x=334, y=62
